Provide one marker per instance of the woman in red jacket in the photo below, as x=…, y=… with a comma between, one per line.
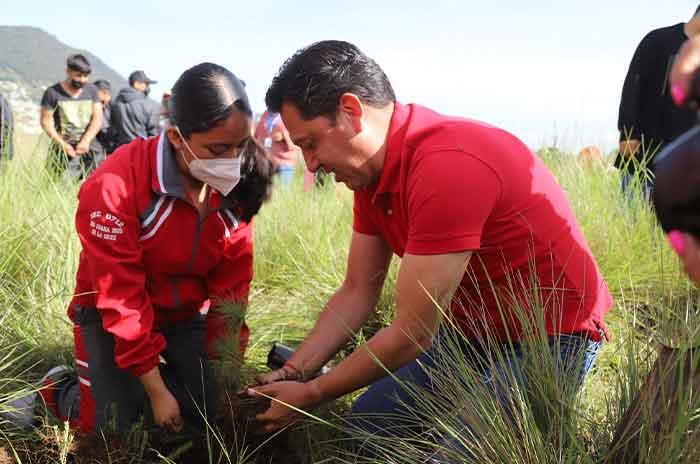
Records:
x=166, y=263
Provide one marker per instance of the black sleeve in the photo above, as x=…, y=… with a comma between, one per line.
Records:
x=48, y=100
x=639, y=74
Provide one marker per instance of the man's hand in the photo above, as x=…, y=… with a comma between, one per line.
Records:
x=68, y=148
x=166, y=411
x=279, y=375
x=82, y=148
x=687, y=62
x=302, y=396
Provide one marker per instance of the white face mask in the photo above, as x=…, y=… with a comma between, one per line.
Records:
x=221, y=174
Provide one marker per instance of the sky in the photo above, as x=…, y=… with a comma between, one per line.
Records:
x=551, y=72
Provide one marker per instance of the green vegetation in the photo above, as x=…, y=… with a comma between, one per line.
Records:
x=301, y=248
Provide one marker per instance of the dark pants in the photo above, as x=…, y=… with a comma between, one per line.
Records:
x=60, y=165
x=103, y=396
x=387, y=409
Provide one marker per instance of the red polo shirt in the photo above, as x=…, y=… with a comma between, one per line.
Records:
x=450, y=185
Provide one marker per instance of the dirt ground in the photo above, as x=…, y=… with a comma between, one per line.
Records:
x=237, y=429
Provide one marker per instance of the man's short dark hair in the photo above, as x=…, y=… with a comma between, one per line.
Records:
x=103, y=84
x=315, y=78
x=79, y=63
x=697, y=10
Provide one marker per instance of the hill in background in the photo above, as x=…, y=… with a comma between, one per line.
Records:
x=32, y=59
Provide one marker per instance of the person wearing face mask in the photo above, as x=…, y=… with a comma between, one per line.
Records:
x=134, y=115
x=71, y=115
x=165, y=269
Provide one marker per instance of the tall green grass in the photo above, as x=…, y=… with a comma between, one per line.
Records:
x=301, y=242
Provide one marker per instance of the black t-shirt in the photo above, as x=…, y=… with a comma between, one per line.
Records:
x=647, y=111
x=71, y=115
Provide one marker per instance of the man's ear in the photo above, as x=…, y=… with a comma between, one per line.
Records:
x=351, y=107
x=174, y=137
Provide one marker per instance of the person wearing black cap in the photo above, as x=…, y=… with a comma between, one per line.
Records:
x=133, y=114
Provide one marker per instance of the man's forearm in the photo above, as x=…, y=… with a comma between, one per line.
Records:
x=92, y=130
x=346, y=312
x=52, y=133
x=389, y=350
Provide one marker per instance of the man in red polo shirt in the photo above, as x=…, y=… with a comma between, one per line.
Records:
x=474, y=215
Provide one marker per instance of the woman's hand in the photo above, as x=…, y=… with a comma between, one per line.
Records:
x=166, y=410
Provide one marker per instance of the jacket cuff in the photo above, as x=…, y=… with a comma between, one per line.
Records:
x=140, y=369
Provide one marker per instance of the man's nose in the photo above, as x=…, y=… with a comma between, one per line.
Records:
x=312, y=164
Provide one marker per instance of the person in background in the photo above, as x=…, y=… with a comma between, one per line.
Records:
x=104, y=91
x=7, y=148
x=271, y=133
x=648, y=119
x=134, y=115
x=71, y=115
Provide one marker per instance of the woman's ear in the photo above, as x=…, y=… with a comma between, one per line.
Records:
x=174, y=137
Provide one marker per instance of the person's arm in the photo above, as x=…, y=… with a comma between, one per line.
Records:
x=92, y=130
x=346, y=311
x=634, y=90
x=46, y=120
x=109, y=233
x=423, y=281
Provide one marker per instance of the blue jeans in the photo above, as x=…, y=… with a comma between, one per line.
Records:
x=645, y=185
x=286, y=175
x=387, y=409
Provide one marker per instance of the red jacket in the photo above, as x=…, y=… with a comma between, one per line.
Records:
x=147, y=260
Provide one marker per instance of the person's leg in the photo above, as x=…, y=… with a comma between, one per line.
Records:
x=386, y=409
x=188, y=373
x=573, y=357
x=110, y=397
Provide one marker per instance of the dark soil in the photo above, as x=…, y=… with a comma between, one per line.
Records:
x=236, y=428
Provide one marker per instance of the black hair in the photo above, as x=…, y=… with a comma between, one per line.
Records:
x=203, y=96
x=79, y=63
x=698, y=10
x=255, y=186
x=315, y=78
x=103, y=84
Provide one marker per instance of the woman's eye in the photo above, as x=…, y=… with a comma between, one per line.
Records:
x=219, y=149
